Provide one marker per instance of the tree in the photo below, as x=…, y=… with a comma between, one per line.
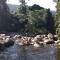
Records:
x=58, y=19
x=36, y=19
x=35, y=7
x=23, y=9
x=23, y=14
x=4, y=15
x=7, y=21
x=50, y=21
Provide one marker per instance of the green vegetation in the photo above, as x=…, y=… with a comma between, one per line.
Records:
x=7, y=21
x=35, y=19
x=58, y=19
x=32, y=19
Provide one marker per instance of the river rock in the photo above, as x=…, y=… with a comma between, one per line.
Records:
x=36, y=45
x=50, y=35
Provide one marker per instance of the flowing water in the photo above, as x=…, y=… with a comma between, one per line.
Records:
x=17, y=52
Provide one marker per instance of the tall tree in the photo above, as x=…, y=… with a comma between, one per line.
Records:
x=4, y=15
x=23, y=6
x=23, y=13
x=50, y=21
x=58, y=19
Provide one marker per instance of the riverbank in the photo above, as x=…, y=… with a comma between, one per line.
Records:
x=7, y=40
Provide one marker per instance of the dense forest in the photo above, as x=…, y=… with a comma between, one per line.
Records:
x=30, y=19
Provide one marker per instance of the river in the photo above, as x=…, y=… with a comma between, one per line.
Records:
x=17, y=52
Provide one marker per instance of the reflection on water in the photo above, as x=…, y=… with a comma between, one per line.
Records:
x=28, y=53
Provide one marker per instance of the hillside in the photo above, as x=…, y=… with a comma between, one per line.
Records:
x=14, y=7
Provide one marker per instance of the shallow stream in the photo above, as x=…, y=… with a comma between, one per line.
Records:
x=17, y=52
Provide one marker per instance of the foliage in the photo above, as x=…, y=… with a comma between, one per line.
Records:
x=4, y=15
x=50, y=21
x=58, y=19
x=36, y=19
x=35, y=7
x=7, y=21
x=33, y=19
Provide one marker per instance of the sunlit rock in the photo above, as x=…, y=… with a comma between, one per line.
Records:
x=36, y=45
x=50, y=35
x=2, y=35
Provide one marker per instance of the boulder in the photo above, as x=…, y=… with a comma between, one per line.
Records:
x=50, y=35
x=36, y=45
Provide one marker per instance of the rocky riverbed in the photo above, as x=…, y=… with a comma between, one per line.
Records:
x=41, y=47
x=36, y=41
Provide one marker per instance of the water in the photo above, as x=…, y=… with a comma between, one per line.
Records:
x=17, y=52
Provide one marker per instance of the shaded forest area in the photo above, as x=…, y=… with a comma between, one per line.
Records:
x=26, y=19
